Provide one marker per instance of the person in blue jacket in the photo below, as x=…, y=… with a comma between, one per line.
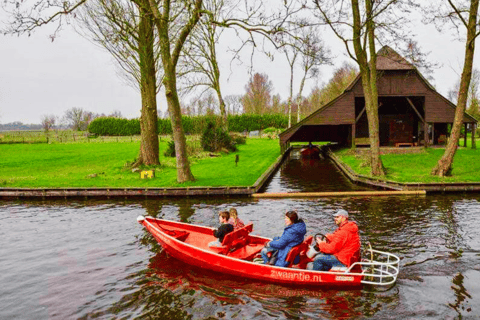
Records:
x=293, y=235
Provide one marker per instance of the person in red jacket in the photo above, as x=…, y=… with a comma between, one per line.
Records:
x=341, y=249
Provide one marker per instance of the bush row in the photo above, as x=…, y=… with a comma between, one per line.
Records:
x=191, y=125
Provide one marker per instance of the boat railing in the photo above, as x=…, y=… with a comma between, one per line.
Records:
x=380, y=268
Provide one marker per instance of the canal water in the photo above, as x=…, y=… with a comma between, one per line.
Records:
x=297, y=174
x=87, y=259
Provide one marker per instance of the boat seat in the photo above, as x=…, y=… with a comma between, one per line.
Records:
x=298, y=250
x=234, y=240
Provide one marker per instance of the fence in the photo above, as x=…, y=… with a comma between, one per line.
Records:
x=60, y=136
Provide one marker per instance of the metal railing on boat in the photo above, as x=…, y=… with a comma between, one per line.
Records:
x=381, y=270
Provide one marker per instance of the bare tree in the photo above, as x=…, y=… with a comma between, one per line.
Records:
x=303, y=45
x=200, y=55
x=364, y=21
x=233, y=104
x=48, y=122
x=473, y=94
x=314, y=54
x=116, y=114
x=463, y=14
x=78, y=119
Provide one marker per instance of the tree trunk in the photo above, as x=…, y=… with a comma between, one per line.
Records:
x=290, y=97
x=299, y=98
x=223, y=110
x=216, y=86
x=149, y=149
x=368, y=71
x=183, y=165
x=371, y=106
x=444, y=165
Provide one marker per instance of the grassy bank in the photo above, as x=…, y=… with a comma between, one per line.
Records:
x=103, y=165
x=416, y=167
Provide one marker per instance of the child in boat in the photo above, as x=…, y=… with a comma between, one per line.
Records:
x=292, y=236
x=234, y=220
x=224, y=228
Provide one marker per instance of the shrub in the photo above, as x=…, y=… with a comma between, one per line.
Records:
x=238, y=138
x=109, y=126
x=114, y=127
x=270, y=130
x=170, y=152
x=215, y=139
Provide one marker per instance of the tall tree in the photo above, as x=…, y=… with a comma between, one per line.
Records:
x=258, y=97
x=125, y=30
x=314, y=53
x=171, y=45
x=365, y=20
x=461, y=13
x=200, y=55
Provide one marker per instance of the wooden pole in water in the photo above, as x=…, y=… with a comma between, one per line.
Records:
x=336, y=194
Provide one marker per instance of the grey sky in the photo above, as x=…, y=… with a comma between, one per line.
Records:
x=39, y=77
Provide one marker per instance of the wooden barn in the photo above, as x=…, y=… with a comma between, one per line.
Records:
x=411, y=112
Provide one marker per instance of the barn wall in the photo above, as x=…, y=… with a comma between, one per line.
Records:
x=439, y=110
x=396, y=83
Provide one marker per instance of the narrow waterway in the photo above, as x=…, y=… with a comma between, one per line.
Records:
x=297, y=174
x=91, y=260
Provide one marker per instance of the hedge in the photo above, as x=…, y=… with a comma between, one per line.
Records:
x=191, y=125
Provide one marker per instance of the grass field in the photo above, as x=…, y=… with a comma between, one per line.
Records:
x=413, y=167
x=103, y=165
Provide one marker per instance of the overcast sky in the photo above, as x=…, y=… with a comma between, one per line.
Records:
x=39, y=77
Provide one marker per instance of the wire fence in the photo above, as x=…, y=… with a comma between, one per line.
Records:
x=69, y=136
x=60, y=136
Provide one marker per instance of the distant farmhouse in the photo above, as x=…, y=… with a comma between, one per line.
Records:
x=411, y=112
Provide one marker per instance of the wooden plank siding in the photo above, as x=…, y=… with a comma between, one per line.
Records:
x=396, y=83
x=342, y=112
x=439, y=109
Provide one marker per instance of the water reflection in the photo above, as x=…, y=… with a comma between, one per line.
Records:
x=461, y=295
x=284, y=301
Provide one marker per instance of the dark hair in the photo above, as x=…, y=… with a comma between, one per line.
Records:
x=293, y=216
x=224, y=214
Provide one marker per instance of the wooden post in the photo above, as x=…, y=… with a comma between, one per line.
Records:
x=474, y=129
x=433, y=134
x=425, y=134
x=353, y=135
x=465, y=136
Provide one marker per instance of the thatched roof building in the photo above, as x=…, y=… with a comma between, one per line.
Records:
x=411, y=112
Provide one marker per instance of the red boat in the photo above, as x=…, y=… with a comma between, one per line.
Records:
x=310, y=152
x=189, y=243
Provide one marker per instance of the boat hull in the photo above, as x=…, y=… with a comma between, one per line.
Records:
x=194, y=252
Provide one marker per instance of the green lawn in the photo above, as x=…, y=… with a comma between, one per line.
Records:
x=413, y=167
x=74, y=165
